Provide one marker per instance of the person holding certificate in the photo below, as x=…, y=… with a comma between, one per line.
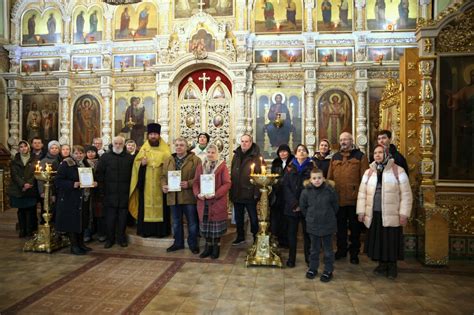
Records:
x=211, y=185
x=177, y=181
x=73, y=199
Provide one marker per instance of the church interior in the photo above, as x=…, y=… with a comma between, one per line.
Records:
x=73, y=70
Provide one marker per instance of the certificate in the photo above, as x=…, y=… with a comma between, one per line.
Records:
x=208, y=186
x=174, y=180
x=86, y=177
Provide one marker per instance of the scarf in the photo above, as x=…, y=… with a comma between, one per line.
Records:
x=179, y=161
x=380, y=166
x=25, y=158
x=302, y=166
x=209, y=167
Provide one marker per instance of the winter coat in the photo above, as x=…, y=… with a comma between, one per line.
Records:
x=188, y=170
x=346, y=170
x=21, y=175
x=69, y=200
x=54, y=161
x=242, y=191
x=114, y=172
x=276, y=196
x=322, y=162
x=293, y=184
x=218, y=205
x=397, y=197
x=319, y=206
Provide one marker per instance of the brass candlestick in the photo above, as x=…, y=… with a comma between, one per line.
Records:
x=46, y=240
x=264, y=251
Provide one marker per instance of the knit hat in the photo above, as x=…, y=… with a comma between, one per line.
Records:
x=153, y=128
x=53, y=142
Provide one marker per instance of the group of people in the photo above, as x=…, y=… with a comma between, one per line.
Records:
x=328, y=193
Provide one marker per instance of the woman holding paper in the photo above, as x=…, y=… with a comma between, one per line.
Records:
x=211, y=185
x=72, y=200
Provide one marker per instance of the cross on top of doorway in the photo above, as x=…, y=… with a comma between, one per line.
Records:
x=201, y=4
x=204, y=79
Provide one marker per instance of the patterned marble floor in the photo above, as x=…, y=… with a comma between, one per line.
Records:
x=141, y=280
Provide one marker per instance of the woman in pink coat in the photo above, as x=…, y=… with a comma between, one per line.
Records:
x=384, y=204
x=212, y=208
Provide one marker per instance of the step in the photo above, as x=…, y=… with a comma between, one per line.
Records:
x=150, y=241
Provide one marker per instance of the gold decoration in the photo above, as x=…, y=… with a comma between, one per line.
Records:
x=411, y=150
x=428, y=45
x=264, y=251
x=433, y=261
x=412, y=66
x=457, y=36
x=411, y=133
x=412, y=82
x=411, y=99
x=460, y=209
x=411, y=116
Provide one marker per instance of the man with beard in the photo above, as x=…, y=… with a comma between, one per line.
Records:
x=146, y=198
x=346, y=169
x=113, y=174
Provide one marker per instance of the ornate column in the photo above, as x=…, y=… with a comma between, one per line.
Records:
x=163, y=109
x=108, y=27
x=106, y=92
x=425, y=12
x=14, y=97
x=67, y=29
x=309, y=5
x=164, y=18
x=240, y=88
x=248, y=101
x=310, y=129
x=64, y=95
x=360, y=5
x=361, y=120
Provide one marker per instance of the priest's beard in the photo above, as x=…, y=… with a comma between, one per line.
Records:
x=117, y=150
x=154, y=142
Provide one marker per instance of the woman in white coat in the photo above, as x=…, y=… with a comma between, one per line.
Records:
x=384, y=204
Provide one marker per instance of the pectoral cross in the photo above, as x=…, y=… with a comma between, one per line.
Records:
x=201, y=4
x=204, y=79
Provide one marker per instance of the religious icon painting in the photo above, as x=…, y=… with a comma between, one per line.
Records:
x=398, y=52
x=186, y=8
x=202, y=42
x=379, y=54
x=344, y=55
x=29, y=66
x=135, y=23
x=79, y=63
x=86, y=120
x=266, y=56
x=456, y=106
x=88, y=24
x=41, y=28
x=145, y=60
x=48, y=65
x=133, y=112
x=94, y=62
x=384, y=15
x=40, y=116
x=278, y=118
x=375, y=95
x=335, y=115
x=278, y=17
x=123, y=62
x=325, y=54
x=291, y=55
x=335, y=16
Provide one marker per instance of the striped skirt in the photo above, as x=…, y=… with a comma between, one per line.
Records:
x=212, y=229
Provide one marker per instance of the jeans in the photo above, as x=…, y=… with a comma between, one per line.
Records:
x=116, y=219
x=293, y=222
x=348, y=213
x=190, y=212
x=239, y=218
x=327, y=249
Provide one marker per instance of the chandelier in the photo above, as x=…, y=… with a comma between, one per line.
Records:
x=121, y=2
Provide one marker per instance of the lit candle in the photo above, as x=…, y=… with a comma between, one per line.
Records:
x=48, y=167
x=38, y=167
x=252, y=168
x=264, y=169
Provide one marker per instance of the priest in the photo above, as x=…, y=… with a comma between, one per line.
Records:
x=146, y=203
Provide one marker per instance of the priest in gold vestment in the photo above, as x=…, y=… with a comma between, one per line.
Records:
x=146, y=203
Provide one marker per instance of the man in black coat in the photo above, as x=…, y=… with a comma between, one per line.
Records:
x=114, y=173
x=384, y=138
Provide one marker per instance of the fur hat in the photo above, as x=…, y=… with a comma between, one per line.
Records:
x=153, y=128
x=53, y=142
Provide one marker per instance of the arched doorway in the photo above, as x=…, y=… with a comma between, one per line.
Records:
x=204, y=99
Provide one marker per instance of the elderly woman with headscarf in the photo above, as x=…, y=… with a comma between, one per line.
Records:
x=384, y=204
x=212, y=209
x=22, y=190
x=52, y=158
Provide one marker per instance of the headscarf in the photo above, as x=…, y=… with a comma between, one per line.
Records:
x=53, y=142
x=25, y=157
x=380, y=166
x=209, y=167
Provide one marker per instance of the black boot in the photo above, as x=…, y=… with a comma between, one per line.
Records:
x=392, y=270
x=381, y=269
x=81, y=243
x=216, y=249
x=75, y=249
x=207, y=250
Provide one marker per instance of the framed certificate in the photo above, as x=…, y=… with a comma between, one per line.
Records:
x=174, y=180
x=208, y=186
x=86, y=177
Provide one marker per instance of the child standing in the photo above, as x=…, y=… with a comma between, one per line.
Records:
x=318, y=203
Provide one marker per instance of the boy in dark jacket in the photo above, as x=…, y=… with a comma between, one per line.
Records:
x=319, y=205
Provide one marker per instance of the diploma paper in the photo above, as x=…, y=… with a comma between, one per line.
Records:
x=86, y=177
x=174, y=180
x=208, y=186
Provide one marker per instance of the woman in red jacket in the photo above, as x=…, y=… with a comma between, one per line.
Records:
x=212, y=208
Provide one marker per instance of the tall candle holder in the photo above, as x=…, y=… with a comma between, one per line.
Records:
x=46, y=240
x=263, y=252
